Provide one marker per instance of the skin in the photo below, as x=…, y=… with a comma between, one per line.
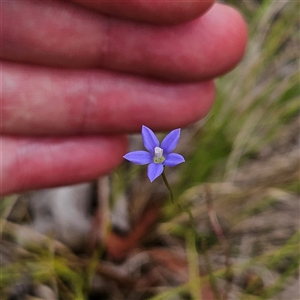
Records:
x=75, y=84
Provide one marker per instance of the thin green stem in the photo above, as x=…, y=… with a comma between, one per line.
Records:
x=168, y=186
x=186, y=210
x=191, y=237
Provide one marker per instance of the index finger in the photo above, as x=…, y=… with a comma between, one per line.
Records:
x=77, y=38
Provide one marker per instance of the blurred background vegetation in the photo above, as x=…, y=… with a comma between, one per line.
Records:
x=241, y=177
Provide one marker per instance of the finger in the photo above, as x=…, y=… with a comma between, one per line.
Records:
x=32, y=163
x=43, y=101
x=158, y=12
x=197, y=50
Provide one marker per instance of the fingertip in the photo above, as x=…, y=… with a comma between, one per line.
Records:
x=232, y=36
x=34, y=163
x=190, y=105
x=237, y=32
x=194, y=107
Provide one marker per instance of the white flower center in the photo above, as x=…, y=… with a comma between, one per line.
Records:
x=158, y=155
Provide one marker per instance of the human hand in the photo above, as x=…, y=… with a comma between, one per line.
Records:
x=75, y=80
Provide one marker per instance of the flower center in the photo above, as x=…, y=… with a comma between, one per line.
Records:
x=158, y=155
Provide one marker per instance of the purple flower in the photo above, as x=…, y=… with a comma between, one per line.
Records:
x=158, y=155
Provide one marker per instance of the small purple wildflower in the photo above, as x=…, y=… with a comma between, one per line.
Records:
x=158, y=155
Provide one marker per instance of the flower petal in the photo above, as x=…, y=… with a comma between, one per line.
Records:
x=154, y=170
x=139, y=157
x=149, y=138
x=170, y=142
x=173, y=159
